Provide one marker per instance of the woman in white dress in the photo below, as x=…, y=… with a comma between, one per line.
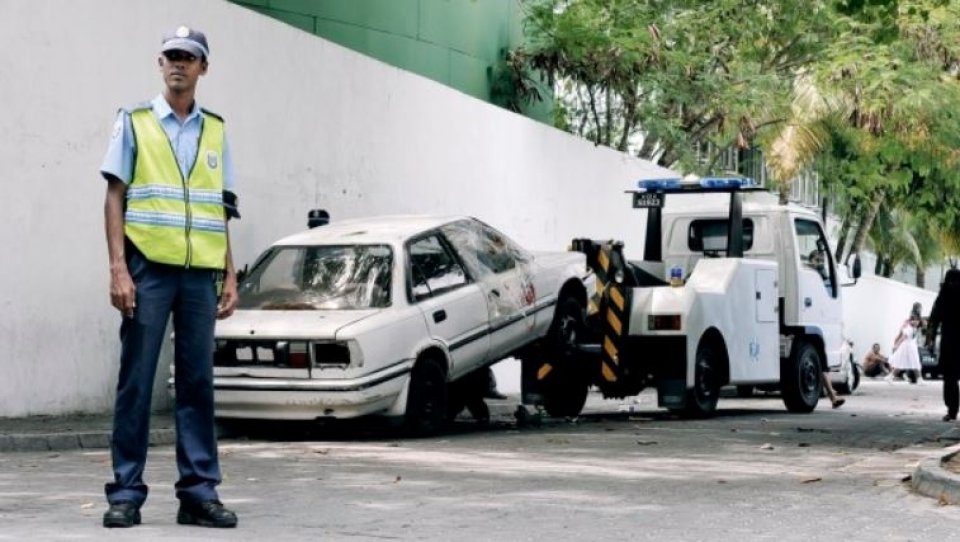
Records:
x=906, y=357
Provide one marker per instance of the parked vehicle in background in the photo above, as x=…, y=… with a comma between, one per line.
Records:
x=929, y=356
x=384, y=316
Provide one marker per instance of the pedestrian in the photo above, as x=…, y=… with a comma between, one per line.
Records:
x=874, y=363
x=946, y=315
x=905, y=359
x=169, y=196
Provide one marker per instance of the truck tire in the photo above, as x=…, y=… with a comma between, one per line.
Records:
x=565, y=387
x=800, y=378
x=702, y=397
x=427, y=409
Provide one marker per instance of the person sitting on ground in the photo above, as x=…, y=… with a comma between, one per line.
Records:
x=874, y=363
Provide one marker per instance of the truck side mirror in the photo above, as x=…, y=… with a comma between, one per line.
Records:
x=856, y=267
x=853, y=271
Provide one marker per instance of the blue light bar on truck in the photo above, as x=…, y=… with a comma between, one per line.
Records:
x=704, y=184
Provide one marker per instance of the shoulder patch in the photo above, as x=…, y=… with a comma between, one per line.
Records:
x=211, y=113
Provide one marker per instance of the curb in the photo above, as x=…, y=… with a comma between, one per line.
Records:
x=87, y=440
x=932, y=480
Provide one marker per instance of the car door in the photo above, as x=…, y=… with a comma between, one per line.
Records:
x=453, y=306
x=818, y=287
x=503, y=272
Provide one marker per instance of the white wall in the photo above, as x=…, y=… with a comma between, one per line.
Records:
x=311, y=125
x=875, y=308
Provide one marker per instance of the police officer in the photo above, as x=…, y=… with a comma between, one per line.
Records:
x=169, y=195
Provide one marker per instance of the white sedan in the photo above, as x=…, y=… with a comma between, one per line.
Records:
x=383, y=316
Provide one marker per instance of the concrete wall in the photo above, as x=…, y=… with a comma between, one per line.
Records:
x=311, y=124
x=875, y=308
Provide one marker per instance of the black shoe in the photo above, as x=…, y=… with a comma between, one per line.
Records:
x=122, y=514
x=949, y=417
x=206, y=514
x=494, y=394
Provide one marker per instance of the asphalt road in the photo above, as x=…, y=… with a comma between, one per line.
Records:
x=754, y=472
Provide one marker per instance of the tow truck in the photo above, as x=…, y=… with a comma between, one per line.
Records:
x=734, y=289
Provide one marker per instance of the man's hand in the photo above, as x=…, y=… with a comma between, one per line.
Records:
x=123, y=293
x=229, y=297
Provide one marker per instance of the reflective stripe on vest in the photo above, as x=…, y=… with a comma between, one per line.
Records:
x=173, y=220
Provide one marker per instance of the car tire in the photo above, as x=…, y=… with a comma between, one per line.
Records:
x=565, y=387
x=800, y=378
x=427, y=406
x=851, y=378
x=745, y=391
x=703, y=396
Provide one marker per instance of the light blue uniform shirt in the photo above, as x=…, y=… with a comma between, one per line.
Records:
x=184, y=139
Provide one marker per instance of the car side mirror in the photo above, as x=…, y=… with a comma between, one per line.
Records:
x=241, y=273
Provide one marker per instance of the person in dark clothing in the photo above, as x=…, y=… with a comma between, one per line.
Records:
x=946, y=313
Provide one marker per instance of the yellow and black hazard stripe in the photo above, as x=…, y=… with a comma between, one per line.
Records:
x=610, y=305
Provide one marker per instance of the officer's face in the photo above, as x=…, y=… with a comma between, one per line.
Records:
x=181, y=70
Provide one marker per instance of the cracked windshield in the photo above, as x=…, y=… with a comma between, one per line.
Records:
x=343, y=277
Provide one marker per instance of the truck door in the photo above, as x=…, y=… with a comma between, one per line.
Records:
x=818, y=288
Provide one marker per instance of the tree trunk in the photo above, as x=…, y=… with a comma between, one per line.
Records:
x=861, y=237
x=842, y=238
x=921, y=277
x=878, y=267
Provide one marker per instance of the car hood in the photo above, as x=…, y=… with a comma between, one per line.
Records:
x=250, y=324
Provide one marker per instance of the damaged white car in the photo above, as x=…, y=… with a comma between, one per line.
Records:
x=385, y=316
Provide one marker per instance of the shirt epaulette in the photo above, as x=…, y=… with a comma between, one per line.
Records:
x=211, y=113
x=138, y=107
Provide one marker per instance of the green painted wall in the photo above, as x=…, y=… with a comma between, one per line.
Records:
x=456, y=42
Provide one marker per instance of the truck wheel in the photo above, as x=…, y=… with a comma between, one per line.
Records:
x=800, y=378
x=702, y=398
x=427, y=410
x=565, y=386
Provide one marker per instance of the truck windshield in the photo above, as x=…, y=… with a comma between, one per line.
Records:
x=710, y=236
x=340, y=277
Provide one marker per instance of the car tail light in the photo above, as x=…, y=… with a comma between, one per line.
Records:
x=326, y=354
x=663, y=322
x=298, y=355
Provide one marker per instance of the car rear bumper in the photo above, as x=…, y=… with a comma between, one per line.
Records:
x=308, y=399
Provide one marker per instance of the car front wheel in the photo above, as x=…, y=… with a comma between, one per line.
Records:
x=566, y=383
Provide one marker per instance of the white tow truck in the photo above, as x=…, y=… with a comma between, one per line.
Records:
x=734, y=289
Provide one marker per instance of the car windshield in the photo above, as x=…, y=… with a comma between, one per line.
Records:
x=340, y=277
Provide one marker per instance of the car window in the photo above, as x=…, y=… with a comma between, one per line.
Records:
x=320, y=277
x=433, y=268
x=710, y=236
x=813, y=248
x=483, y=249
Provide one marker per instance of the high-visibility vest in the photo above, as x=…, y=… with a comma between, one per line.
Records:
x=170, y=219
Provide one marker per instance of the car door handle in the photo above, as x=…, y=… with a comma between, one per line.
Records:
x=439, y=316
x=494, y=292
x=807, y=302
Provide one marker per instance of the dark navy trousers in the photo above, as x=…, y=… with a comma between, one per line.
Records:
x=190, y=296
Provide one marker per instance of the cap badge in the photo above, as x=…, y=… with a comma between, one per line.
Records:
x=212, y=160
x=183, y=32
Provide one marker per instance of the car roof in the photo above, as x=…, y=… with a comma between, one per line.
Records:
x=379, y=229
